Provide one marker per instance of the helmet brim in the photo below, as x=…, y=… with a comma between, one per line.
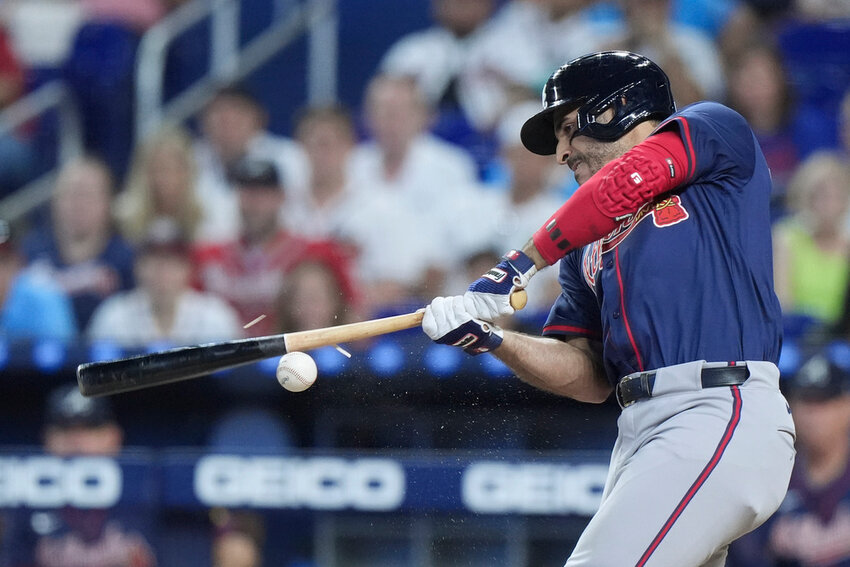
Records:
x=538, y=133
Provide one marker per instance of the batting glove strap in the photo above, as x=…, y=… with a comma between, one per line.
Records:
x=447, y=322
x=488, y=297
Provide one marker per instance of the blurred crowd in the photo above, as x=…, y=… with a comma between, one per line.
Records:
x=222, y=228
x=369, y=211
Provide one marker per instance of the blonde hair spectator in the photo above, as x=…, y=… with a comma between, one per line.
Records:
x=161, y=184
x=811, y=245
x=821, y=185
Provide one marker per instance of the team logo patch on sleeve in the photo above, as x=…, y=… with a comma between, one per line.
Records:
x=669, y=211
x=591, y=263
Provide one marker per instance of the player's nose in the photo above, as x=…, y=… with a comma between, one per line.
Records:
x=563, y=150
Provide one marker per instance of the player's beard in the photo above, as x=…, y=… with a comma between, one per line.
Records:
x=593, y=157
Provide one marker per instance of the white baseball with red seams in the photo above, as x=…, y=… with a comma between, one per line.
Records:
x=296, y=371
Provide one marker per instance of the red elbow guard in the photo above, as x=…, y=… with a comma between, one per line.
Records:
x=651, y=168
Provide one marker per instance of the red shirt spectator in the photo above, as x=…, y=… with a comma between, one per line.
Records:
x=250, y=271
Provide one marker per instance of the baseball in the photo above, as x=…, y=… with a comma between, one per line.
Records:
x=296, y=371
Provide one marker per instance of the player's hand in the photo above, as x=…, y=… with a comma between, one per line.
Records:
x=447, y=322
x=489, y=297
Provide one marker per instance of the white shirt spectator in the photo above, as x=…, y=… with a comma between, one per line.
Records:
x=221, y=212
x=701, y=56
x=519, y=49
x=431, y=171
x=503, y=215
x=402, y=225
x=126, y=319
x=308, y=219
x=393, y=242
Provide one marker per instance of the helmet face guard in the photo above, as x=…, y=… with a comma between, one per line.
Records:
x=630, y=84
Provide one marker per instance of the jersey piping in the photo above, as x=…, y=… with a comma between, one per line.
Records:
x=623, y=310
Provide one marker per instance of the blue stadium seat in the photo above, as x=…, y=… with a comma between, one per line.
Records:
x=100, y=73
x=817, y=56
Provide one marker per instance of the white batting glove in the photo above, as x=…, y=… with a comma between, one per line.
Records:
x=447, y=322
x=489, y=297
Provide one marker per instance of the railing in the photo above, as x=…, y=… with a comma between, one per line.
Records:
x=48, y=97
x=228, y=60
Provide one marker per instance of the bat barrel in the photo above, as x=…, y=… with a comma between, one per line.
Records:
x=154, y=369
x=146, y=370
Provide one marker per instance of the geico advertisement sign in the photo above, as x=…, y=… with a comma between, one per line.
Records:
x=52, y=482
x=322, y=483
x=533, y=488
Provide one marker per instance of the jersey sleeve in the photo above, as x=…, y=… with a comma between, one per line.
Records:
x=575, y=312
x=719, y=144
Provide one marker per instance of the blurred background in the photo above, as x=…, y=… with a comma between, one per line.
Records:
x=175, y=172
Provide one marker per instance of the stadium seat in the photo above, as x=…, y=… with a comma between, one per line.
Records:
x=100, y=73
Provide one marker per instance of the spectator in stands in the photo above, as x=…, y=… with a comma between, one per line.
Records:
x=31, y=307
x=316, y=294
x=689, y=57
x=250, y=270
x=234, y=125
x=438, y=58
x=81, y=250
x=531, y=186
x=402, y=177
x=162, y=185
x=78, y=426
x=516, y=51
x=823, y=10
x=711, y=17
x=530, y=190
x=811, y=246
x=163, y=307
x=328, y=136
x=138, y=15
x=18, y=163
x=435, y=56
x=238, y=539
x=760, y=89
x=812, y=527
x=401, y=155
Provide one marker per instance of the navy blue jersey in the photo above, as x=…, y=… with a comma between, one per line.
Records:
x=811, y=527
x=86, y=283
x=688, y=276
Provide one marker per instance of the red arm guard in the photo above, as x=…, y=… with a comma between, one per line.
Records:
x=651, y=168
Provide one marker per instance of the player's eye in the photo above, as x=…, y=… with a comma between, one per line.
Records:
x=567, y=129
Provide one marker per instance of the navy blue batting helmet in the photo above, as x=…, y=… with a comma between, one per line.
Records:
x=635, y=87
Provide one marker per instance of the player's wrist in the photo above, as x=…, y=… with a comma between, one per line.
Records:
x=523, y=265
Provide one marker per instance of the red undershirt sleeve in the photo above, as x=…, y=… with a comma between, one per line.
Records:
x=651, y=168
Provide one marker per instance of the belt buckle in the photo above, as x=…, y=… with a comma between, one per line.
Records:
x=619, y=395
x=619, y=392
x=644, y=389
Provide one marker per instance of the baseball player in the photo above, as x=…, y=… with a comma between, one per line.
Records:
x=667, y=302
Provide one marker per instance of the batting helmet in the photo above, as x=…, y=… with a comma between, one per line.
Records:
x=635, y=87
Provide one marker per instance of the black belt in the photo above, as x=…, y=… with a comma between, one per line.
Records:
x=636, y=387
